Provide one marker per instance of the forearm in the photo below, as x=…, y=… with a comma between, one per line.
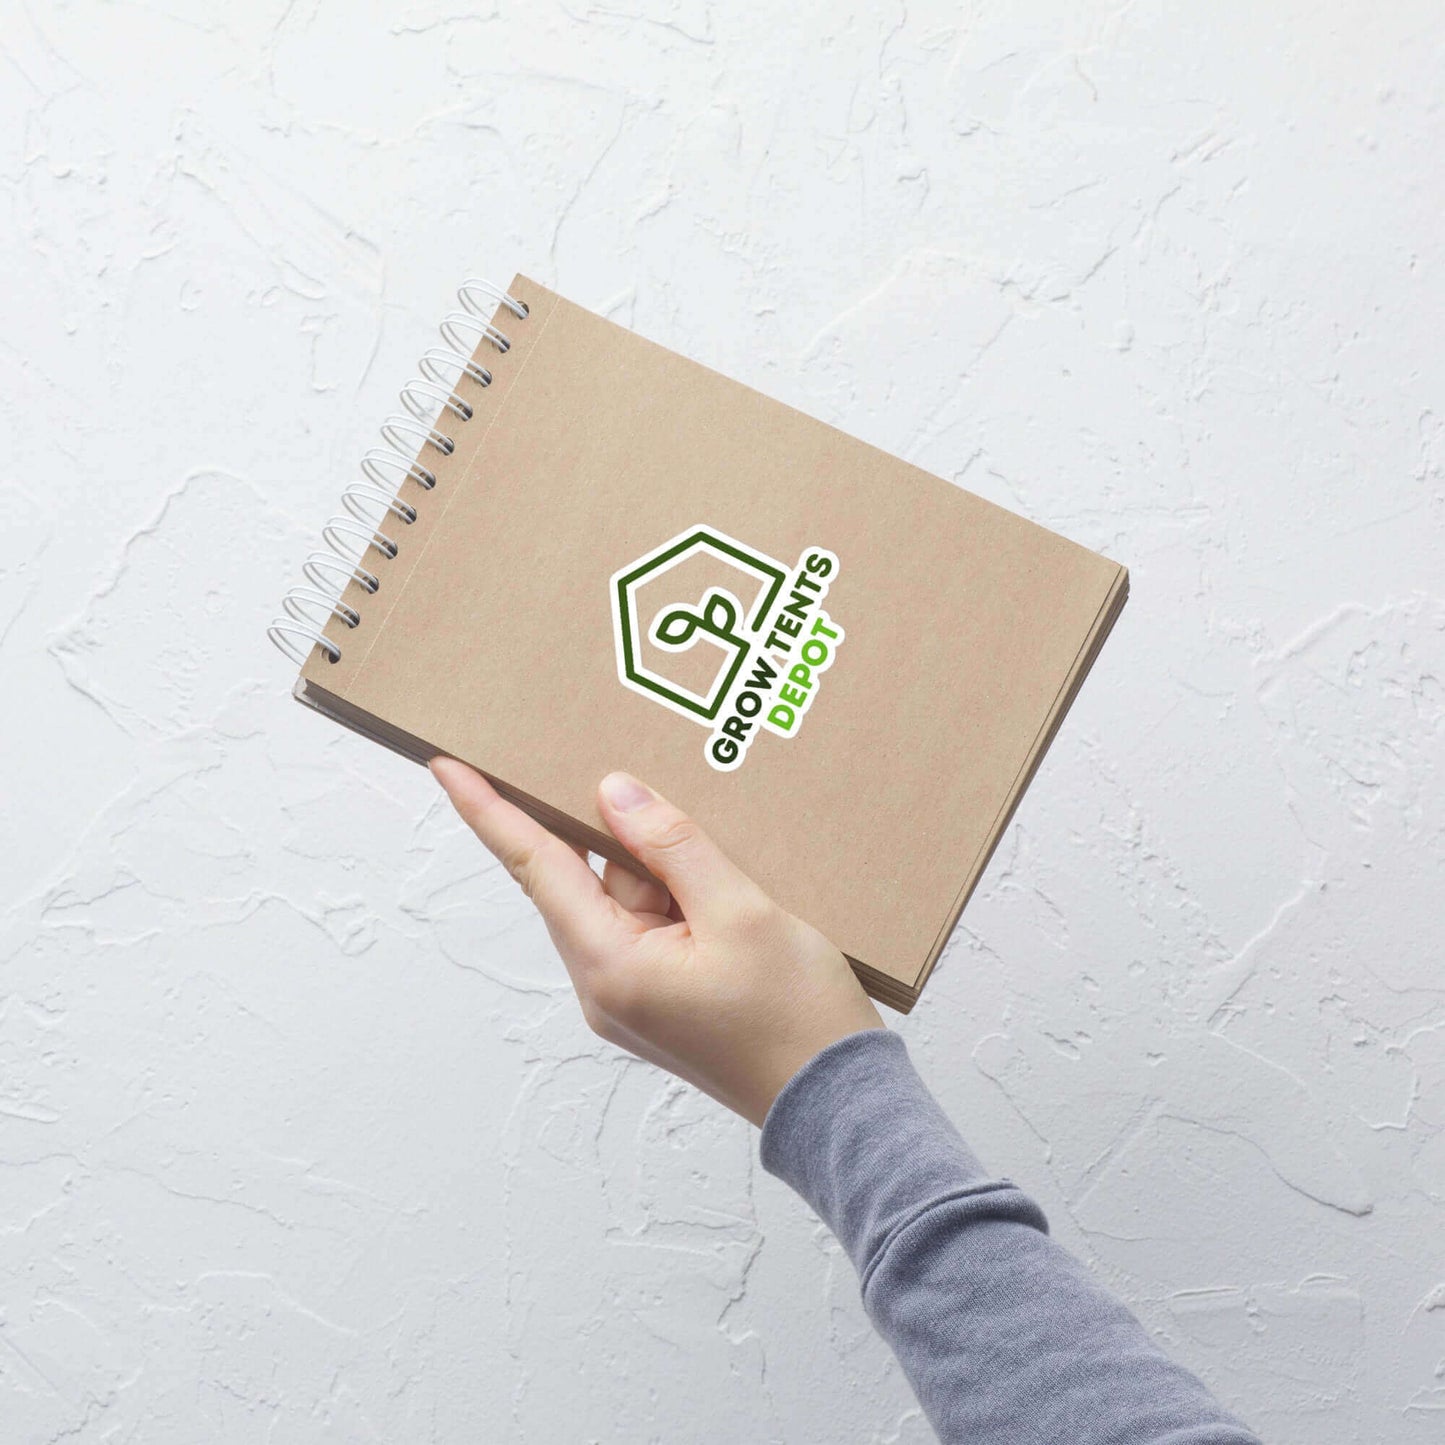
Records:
x=1001, y=1332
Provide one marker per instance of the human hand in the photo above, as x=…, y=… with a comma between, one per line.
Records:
x=701, y=973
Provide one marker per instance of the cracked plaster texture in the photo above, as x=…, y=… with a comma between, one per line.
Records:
x=302, y=1137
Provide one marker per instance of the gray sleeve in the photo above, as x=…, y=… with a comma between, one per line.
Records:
x=1001, y=1332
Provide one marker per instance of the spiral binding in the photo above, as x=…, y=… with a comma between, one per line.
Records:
x=427, y=400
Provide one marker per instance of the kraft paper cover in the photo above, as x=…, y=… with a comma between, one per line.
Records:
x=965, y=630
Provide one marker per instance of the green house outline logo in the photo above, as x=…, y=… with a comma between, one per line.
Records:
x=716, y=614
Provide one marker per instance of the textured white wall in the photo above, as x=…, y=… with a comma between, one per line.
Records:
x=302, y=1136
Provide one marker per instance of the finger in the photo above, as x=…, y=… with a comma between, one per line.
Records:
x=568, y=894
x=634, y=893
x=673, y=848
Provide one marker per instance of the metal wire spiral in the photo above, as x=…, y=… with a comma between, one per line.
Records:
x=428, y=401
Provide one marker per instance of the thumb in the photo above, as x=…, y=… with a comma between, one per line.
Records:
x=672, y=847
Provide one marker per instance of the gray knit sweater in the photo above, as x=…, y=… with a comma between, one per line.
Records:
x=1003, y=1335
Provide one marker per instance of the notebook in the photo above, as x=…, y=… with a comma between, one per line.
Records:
x=578, y=551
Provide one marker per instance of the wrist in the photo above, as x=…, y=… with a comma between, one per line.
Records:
x=797, y=1052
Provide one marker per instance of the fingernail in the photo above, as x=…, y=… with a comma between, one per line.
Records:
x=625, y=793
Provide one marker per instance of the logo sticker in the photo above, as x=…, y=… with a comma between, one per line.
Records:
x=725, y=635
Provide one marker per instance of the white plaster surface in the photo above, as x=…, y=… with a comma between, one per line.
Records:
x=301, y=1135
